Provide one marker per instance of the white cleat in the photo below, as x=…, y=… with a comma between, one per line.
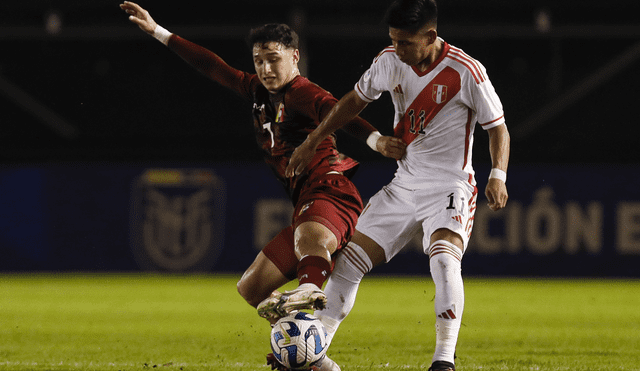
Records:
x=268, y=308
x=305, y=296
x=327, y=365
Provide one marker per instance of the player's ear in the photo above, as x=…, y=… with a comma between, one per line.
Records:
x=433, y=35
x=296, y=55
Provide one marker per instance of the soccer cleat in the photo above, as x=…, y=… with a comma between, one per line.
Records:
x=269, y=307
x=327, y=364
x=278, y=305
x=306, y=296
x=442, y=366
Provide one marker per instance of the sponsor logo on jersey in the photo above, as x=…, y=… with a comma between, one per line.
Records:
x=367, y=76
x=305, y=207
x=259, y=112
x=280, y=114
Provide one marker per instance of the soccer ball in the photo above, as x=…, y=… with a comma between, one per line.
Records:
x=299, y=341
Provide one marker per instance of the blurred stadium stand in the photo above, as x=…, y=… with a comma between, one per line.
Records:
x=79, y=82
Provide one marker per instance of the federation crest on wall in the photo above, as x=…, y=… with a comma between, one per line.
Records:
x=177, y=219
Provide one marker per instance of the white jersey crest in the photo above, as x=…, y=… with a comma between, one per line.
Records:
x=435, y=111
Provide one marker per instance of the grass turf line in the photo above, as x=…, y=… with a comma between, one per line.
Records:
x=142, y=321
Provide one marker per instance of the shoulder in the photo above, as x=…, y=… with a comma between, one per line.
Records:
x=385, y=54
x=307, y=98
x=302, y=84
x=302, y=89
x=466, y=64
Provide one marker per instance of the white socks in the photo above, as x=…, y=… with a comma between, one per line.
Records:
x=341, y=288
x=445, y=263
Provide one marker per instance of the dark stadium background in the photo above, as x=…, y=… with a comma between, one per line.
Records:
x=80, y=84
x=128, y=98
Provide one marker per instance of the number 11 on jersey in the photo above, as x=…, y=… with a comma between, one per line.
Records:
x=421, y=120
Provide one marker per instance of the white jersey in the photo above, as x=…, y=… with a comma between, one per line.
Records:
x=435, y=112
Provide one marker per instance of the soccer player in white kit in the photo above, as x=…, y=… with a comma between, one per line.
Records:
x=439, y=94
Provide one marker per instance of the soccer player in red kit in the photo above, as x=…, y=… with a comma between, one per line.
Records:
x=286, y=108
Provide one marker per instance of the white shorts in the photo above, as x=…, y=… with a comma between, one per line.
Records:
x=395, y=214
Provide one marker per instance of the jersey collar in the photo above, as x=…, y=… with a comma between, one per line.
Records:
x=445, y=50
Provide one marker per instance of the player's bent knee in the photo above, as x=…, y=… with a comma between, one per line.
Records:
x=312, y=238
x=244, y=290
x=250, y=290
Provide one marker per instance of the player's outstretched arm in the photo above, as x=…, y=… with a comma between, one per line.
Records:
x=499, y=148
x=344, y=111
x=139, y=16
x=204, y=60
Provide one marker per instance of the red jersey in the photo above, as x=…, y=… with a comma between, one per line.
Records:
x=282, y=121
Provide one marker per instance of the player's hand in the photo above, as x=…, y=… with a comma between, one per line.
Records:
x=139, y=16
x=496, y=193
x=300, y=158
x=391, y=147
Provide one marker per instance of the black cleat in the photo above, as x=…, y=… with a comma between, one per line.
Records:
x=442, y=366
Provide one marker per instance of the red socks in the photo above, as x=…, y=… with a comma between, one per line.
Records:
x=313, y=269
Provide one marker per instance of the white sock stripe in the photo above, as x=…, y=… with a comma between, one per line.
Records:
x=349, y=256
x=442, y=246
x=358, y=257
x=445, y=251
x=363, y=256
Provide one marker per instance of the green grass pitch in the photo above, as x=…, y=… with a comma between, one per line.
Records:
x=199, y=322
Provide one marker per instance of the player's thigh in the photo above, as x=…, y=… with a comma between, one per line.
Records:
x=332, y=201
x=388, y=219
x=447, y=212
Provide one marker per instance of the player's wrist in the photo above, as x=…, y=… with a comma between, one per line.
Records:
x=498, y=174
x=314, y=140
x=372, y=140
x=161, y=34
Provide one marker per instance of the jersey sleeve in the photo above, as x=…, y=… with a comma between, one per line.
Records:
x=316, y=103
x=214, y=67
x=374, y=80
x=486, y=103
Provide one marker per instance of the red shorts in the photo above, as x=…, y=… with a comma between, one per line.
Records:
x=329, y=199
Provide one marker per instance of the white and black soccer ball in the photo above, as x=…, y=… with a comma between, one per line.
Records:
x=299, y=341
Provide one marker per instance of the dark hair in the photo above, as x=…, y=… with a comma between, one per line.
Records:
x=278, y=32
x=412, y=15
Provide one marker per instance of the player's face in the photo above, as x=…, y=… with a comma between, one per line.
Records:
x=411, y=48
x=276, y=65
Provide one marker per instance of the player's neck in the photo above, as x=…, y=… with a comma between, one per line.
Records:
x=288, y=82
x=434, y=54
